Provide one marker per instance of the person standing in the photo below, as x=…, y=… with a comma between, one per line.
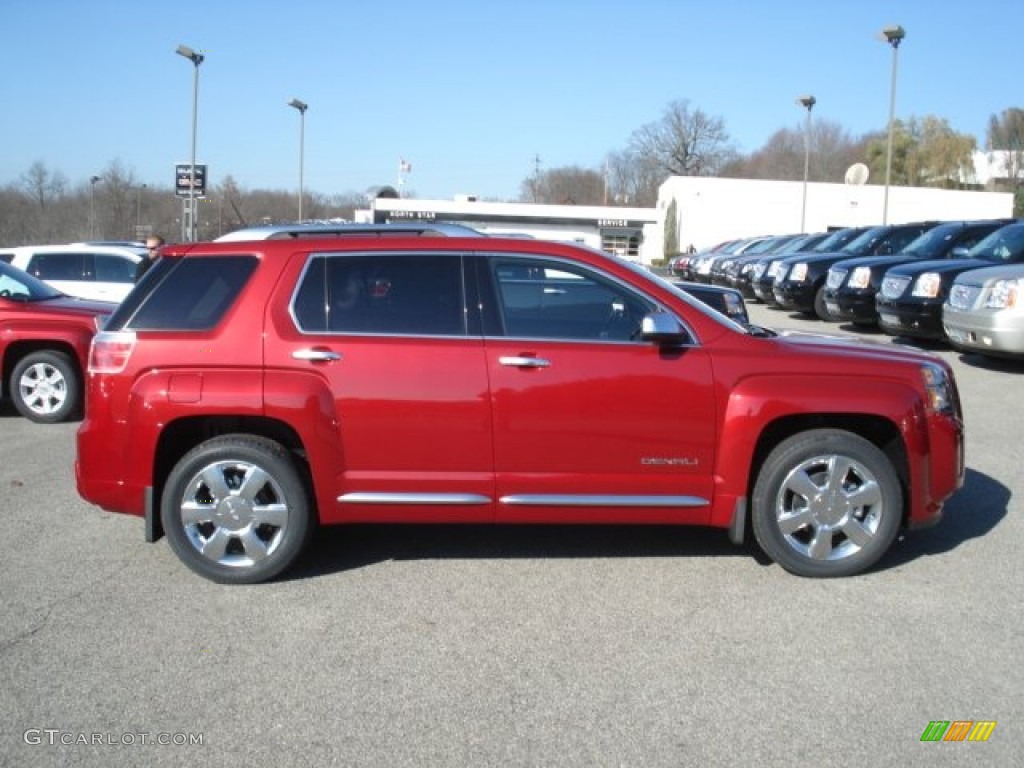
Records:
x=153, y=245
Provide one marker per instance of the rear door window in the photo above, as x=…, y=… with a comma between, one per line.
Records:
x=382, y=293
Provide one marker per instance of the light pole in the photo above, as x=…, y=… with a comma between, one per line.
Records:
x=138, y=208
x=196, y=59
x=807, y=102
x=893, y=36
x=302, y=107
x=93, y=180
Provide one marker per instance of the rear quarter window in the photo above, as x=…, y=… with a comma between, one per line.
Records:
x=184, y=294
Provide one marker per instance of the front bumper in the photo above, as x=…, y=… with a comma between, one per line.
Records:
x=991, y=332
x=919, y=320
x=795, y=296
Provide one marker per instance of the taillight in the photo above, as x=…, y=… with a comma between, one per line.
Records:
x=109, y=352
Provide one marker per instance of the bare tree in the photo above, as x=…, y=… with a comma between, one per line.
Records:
x=781, y=158
x=571, y=185
x=685, y=142
x=633, y=179
x=43, y=188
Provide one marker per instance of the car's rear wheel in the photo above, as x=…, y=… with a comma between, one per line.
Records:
x=826, y=503
x=45, y=387
x=236, y=510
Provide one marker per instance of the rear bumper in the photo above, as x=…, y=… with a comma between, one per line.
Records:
x=99, y=472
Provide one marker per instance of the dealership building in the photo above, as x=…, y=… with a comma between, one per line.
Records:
x=701, y=211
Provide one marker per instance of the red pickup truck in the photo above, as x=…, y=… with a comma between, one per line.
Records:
x=44, y=344
x=249, y=391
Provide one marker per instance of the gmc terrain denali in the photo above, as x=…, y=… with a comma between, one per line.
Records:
x=246, y=392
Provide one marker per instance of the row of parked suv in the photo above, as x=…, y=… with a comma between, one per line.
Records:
x=958, y=281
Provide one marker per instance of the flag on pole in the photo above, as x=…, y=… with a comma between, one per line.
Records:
x=404, y=167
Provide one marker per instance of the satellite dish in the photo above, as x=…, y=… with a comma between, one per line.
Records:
x=857, y=174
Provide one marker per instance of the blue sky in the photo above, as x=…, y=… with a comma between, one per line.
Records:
x=469, y=93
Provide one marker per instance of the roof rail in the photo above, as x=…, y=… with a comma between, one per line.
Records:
x=299, y=231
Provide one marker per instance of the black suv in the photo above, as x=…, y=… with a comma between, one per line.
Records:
x=910, y=301
x=852, y=284
x=801, y=287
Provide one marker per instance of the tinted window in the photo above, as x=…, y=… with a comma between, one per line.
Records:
x=114, y=269
x=382, y=293
x=184, y=294
x=7, y=257
x=57, y=266
x=543, y=300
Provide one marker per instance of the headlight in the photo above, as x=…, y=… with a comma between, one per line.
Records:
x=798, y=273
x=1005, y=294
x=938, y=388
x=860, y=277
x=927, y=285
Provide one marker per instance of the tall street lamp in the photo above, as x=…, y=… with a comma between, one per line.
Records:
x=893, y=36
x=196, y=59
x=807, y=102
x=138, y=208
x=93, y=180
x=302, y=107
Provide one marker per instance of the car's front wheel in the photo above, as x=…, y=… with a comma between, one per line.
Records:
x=826, y=503
x=236, y=510
x=45, y=387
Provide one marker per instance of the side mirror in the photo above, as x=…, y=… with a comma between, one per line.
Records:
x=663, y=328
x=959, y=252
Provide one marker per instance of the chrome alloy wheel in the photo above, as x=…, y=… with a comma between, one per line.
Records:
x=234, y=513
x=43, y=388
x=829, y=507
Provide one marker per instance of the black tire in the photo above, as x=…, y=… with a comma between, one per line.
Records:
x=820, y=309
x=249, y=535
x=813, y=531
x=46, y=387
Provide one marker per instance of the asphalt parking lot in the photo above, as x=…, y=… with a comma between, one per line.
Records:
x=442, y=646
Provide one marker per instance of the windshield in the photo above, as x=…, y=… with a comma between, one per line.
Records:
x=1004, y=246
x=865, y=243
x=836, y=240
x=21, y=286
x=933, y=243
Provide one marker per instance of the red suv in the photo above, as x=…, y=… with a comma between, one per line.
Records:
x=246, y=392
x=44, y=343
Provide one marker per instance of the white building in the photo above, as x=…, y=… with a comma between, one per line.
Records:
x=621, y=231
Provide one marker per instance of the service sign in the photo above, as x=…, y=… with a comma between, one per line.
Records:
x=183, y=178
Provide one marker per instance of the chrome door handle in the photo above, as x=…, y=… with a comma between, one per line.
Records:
x=316, y=355
x=524, y=362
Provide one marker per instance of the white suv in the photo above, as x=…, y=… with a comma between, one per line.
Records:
x=100, y=273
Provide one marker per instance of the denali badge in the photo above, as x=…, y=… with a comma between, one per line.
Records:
x=657, y=461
